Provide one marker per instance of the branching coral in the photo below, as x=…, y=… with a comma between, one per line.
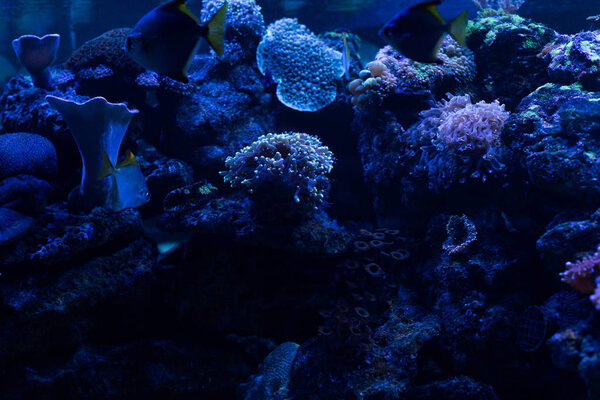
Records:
x=584, y=276
x=301, y=64
x=581, y=275
x=291, y=166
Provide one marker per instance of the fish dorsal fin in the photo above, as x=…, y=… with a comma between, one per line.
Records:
x=345, y=40
x=128, y=161
x=431, y=8
x=107, y=168
x=180, y=6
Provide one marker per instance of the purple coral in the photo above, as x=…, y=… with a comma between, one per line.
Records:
x=464, y=140
x=290, y=166
x=461, y=126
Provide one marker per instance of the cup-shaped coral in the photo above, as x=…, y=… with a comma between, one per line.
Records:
x=98, y=127
x=301, y=64
x=36, y=54
x=285, y=174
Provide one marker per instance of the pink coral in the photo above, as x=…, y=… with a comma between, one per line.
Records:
x=582, y=274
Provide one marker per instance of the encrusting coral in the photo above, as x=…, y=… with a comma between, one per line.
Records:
x=301, y=64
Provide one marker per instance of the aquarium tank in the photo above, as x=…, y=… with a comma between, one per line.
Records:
x=300, y=199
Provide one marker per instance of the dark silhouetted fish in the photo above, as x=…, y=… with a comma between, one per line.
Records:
x=166, y=39
x=418, y=31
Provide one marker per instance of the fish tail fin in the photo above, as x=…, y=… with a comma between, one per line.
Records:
x=458, y=28
x=128, y=161
x=346, y=56
x=107, y=168
x=216, y=30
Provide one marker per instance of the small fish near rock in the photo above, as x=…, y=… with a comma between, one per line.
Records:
x=166, y=39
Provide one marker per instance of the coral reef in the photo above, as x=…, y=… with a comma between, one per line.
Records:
x=507, y=6
x=461, y=234
x=554, y=143
x=14, y=226
x=399, y=74
x=571, y=57
x=452, y=253
x=506, y=48
x=454, y=143
x=303, y=67
x=106, y=51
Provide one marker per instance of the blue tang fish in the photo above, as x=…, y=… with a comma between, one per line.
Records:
x=166, y=39
x=418, y=31
x=128, y=189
